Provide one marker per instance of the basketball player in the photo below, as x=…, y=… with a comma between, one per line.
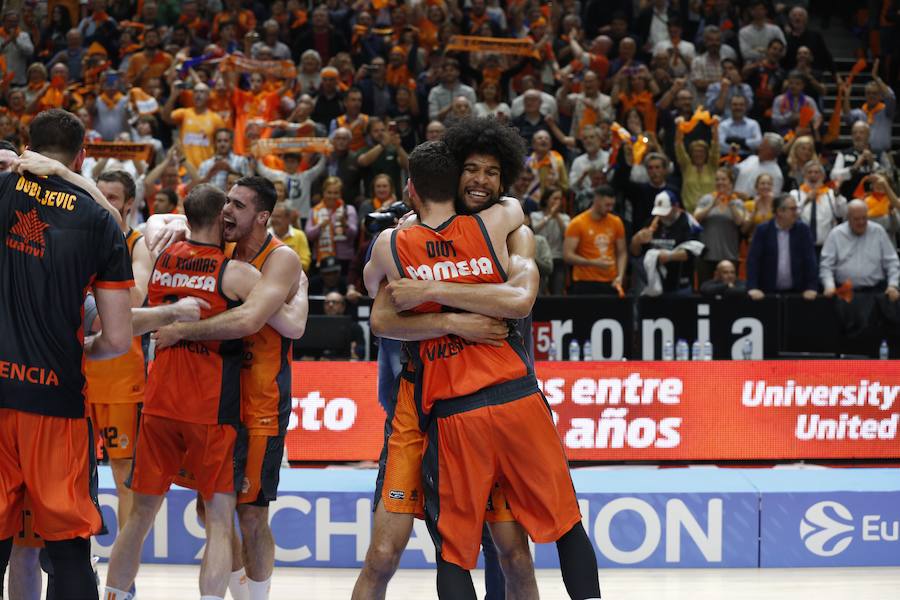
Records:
x=266, y=373
x=398, y=495
x=116, y=387
x=189, y=422
x=57, y=242
x=480, y=393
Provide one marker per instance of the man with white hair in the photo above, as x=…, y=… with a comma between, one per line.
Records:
x=820, y=207
x=799, y=35
x=853, y=163
x=859, y=251
x=279, y=50
x=764, y=161
x=707, y=67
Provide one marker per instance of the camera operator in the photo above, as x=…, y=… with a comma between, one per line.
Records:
x=385, y=217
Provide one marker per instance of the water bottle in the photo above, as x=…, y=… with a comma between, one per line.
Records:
x=551, y=352
x=884, y=352
x=707, y=350
x=697, y=350
x=587, y=351
x=668, y=351
x=747, y=350
x=574, y=350
x=682, y=350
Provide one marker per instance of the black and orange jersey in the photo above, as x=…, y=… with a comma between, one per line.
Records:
x=195, y=382
x=458, y=251
x=119, y=380
x=55, y=243
x=266, y=371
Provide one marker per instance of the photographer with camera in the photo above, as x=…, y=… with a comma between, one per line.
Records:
x=383, y=154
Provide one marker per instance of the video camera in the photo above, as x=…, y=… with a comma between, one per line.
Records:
x=378, y=221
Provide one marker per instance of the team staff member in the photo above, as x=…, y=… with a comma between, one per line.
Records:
x=189, y=425
x=595, y=247
x=116, y=387
x=266, y=375
x=57, y=242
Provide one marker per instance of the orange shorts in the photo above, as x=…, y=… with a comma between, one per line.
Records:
x=257, y=466
x=399, y=483
x=476, y=441
x=201, y=456
x=117, y=425
x=49, y=459
x=27, y=537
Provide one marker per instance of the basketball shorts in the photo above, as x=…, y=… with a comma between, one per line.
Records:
x=494, y=435
x=27, y=537
x=51, y=461
x=200, y=456
x=117, y=425
x=257, y=466
x=399, y=483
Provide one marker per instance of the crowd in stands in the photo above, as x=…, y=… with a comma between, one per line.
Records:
x=674, y=146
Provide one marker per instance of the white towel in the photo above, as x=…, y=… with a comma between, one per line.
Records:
x=657, y=272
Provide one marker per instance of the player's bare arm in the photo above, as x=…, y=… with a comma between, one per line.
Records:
x=40, y=165
x=145, y=320
x=142, y=267
x=114, y=308
x=164, y=230
x=513, y=299
x=262, y=303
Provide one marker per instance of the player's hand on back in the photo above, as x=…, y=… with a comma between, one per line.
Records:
x=189, y=308
x=479, y=328
x=173, y=231
x=406, y=294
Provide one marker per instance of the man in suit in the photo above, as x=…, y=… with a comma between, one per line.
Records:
x=782, y=256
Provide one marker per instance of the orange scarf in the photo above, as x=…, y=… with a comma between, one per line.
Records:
x=879, y=205
x=643, y=101
x=823, y=189
x=100, y=16
x=397, y=76
x=111, y=103
x=871, y=112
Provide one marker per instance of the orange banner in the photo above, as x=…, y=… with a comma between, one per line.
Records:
x=646, y=411
x=119, y=150
x=308, y=145
x=283, y=69
x=473, y=43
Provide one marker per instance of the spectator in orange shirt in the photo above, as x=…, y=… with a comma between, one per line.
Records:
x=243, y=19
x=197, y=125
x=353, y=119
x=152, y=62
x=595, y=247
x=255, y=103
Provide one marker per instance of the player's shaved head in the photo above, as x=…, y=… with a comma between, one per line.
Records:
x=203, y=206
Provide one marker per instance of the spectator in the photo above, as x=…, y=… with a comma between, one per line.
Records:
x=277, y=49
x=640, y=197
x=722, y=215
x=329, y=99
x=677, y=101
x=698, y=165
x=799, y=35
x=584, y=199
x=344, y=165
x=524, y=189
x=738, y=133
x=883, y=204
x=72, y=55
x=110, y=108
x=353, y=120
x=801, y=151
x=878, y=111
x=532, y=120
x=853, y=164
x=588, y=107
x=460, y=110
x=764, y=161
x=384, y=196
x=820, y=207
x=551, y=222
x=595, y=247
x=434, y=131
x=310, y=78
x=259, y=102
x=679, y=52
x=149, y=63
x=215, y=169
x=16, y=47
x=667, y=233
x=811, y=76
x=440, y=98
x=765, y=77
x=318, y=34
x=376, y=92
x=789, y=108
x=491, y=103
x=756, y=36
x=165, y=201
x=383, y=154
x=634, y=89
x=333, y=225
x=547, y=164
x=859, y=253
x=548, y=105
x=720, y=93
x=354, y=342
x=706, y=68
x=197, y=125
x=297, y=184
x=328, y=278
x=782, y=257
x=593, y=158
x=760, y=208
x=724, y=282
x=280, y=226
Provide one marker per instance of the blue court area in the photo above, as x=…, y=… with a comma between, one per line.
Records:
x=696, y=517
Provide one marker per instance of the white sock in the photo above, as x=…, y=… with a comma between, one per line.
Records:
x=211, y=598
x=259, y=590
x=113, y=594
x=237, y=585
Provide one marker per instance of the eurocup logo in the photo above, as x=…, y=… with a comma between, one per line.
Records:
x=822, y=533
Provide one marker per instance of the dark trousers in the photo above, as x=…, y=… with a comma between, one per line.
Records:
x=592, y=288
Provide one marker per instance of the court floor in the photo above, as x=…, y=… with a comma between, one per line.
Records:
x=170, y=582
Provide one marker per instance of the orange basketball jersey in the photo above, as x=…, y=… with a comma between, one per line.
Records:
x=195, y=382
x=118, y=380
x=458, y=251
x=266, y=370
